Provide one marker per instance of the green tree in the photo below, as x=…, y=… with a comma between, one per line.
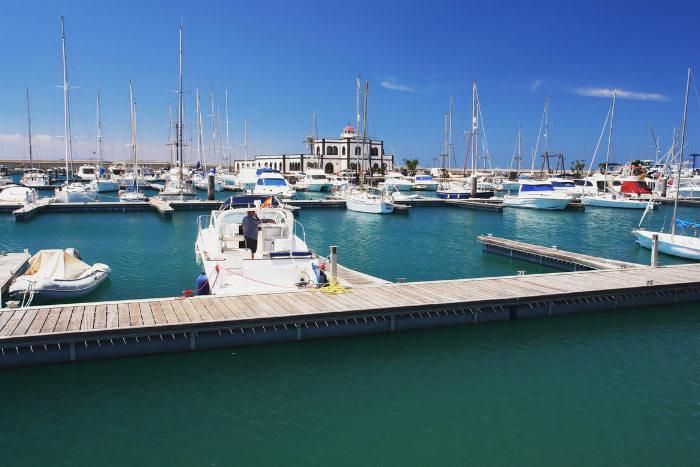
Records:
x=638, y=167
x=577, y=167
x=411, y=164
x=309, y=141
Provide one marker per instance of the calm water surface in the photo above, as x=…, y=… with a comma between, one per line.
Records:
x=613, y=388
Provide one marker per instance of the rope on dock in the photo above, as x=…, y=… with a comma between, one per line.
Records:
x=333, y=288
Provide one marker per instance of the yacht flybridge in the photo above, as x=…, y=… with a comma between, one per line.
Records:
x=282, y=263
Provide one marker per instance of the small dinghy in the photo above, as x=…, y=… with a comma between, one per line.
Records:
x=57, y=275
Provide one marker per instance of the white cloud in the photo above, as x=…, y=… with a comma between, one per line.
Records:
x=389, y=84
x=534, y=86
x=605, y=92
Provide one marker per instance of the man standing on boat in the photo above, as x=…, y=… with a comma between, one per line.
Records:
x=250, y=232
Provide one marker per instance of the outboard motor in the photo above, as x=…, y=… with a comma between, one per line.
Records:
x=202, y=284
x=73, y=252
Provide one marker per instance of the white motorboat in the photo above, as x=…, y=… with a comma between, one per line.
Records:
x=337, y=181
x=314, y=180
x=33, y=178
x=360, y=200
x=283, y=261
x=537, y=195
x=458, y=190
x=564, y=185
x=398, y=180
x=271, y=183
x=57, y=275
x=614, y=200
x=395, y=194
x=424, y=182
x=87, y=172
x=118, y=169
x=18, y=194
x=203, y=183
x=247, y=177
x=179, y=190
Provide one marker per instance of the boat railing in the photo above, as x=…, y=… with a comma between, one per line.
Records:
x=202, y=220
x=296, y=222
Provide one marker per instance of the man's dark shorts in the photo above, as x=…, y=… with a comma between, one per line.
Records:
x=252, y=244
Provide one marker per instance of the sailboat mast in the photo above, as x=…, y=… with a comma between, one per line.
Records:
x=364, y=128
x=245, y=140
x=99, y=131
x=358, y=105
x=475, y=150
x=449, y=153
x=132, y=106
x=180, y=115
x=170, y=125
x=607, y=156
x=200, y=153
x=29, y=122
x=213, y=128
x=680, y=159
x=65, y=98
x=228, y=155
x=520, y=150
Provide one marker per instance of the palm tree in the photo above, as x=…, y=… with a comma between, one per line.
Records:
x=309, y=142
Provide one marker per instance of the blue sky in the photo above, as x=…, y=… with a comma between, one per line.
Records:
x=283, y=61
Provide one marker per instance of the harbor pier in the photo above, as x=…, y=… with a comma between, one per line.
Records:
x=88, y=331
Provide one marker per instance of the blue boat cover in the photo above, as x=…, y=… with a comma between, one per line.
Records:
x=686, y=225
x=526, y=187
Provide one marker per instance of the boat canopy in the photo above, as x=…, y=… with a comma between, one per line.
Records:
x=424, y=177
x=542, y=187
x=55, y=264
x=260, y=171
x=636, y=186
x=687, y=225
x=559, y=184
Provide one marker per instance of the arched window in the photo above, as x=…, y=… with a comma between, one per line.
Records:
x=238, y=167
x=376, y=166
x=318, y=151
x=374, y=151
x=358, y=151
x=353, y=166
x=328, y=168
x=343, y=150
x=275, y=167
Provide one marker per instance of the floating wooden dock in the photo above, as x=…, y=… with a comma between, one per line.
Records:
x=66, y=333
x=11, y=266
x=481, y=204
x=550, y=256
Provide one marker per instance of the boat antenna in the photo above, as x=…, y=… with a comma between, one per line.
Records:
x=29, y=121
x=607, y=156
x=364, y=128
x=680, y=159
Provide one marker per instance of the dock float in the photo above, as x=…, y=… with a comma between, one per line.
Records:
x=552, y=257
x=11, y=266
x=88, y=331
x=482, y=204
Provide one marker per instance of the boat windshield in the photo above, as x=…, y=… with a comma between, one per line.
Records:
x=557, y=184
x=271, y=181
x=318, y=177
x=427, y=178
x=536, y=188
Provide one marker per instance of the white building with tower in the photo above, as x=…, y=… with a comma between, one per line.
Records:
x=332, y=155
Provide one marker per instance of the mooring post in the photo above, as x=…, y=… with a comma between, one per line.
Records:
x=210, y=187
x=472, y=185
x=334, y=266
x=655, y=250
x=664, y=185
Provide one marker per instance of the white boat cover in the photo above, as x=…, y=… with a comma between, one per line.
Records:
x=55, y=264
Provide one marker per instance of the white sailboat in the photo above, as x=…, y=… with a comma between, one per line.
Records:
x=33, y=177
x=608, y=198
x=104, y=181
x=177, y=188
x=670, y=243
x=133, y=193
x=360, y=200
x=70, y=192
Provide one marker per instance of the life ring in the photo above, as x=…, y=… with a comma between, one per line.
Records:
x=121, y=192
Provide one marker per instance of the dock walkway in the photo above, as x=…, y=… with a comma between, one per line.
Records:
x=550, y=256
x=64, y=333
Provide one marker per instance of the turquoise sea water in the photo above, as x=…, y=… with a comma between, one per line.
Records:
x=612, y=388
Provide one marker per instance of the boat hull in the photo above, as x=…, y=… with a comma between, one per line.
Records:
x=614, y=203
x=46, y=290
x=547, y=204
x=369, y=206
x=676, y=245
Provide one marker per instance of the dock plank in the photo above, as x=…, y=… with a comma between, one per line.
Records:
x=51, y=320
x=88, y=318
x=206, y=309
x=180, y=311
x=13, y=322
x=123, y=311
x=100, y=317
x=4, y=318
x=112, y=316
x=169, y=312
x=25, y=322
x=135, y=314
x=158, y=314
x=146, y=314
x=195, y=314
x=254, y=307
x=276, y=308
x=63, y=320
x=76, y=318
x=39, y=321
x=231, y=309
